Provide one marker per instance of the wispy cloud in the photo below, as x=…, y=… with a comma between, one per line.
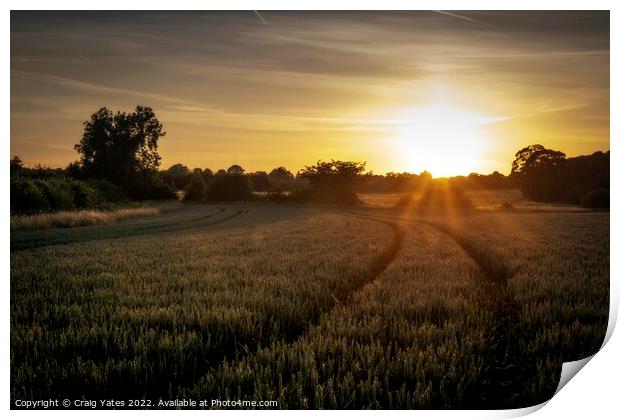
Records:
x=260, y=17
x=454, y=15
x=96, y=88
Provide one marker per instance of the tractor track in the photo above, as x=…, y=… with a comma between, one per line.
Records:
x=507, y=368
x=25, y=244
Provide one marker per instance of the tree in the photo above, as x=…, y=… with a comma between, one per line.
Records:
x=196, y=188
x=207, y=173
x=235, y=170
x=122, y=147
x=177, y=176
x=538, y=172
x=16, y=165
x=335, y=181
x=229, y=187
x=260, y=181
x=281, y=178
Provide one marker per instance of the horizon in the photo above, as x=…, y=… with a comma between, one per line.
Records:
x=452, y=93
x=294, y=171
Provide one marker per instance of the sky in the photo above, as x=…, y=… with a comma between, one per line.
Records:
x=449, y=92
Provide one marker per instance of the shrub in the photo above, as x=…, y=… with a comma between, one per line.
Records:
x=596, y=199
x=229, y=187
x=84, y=195
x=35, y=195
x=108, y=192
x=332, y=182
x=27, y=196
x=196, y=189
x=148, y=185
x=58, y=193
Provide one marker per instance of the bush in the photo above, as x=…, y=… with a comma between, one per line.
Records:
x=229, y=187
x=34, y=195
x=196, y=189
x=596, y=199
x=148, y=186
x=59, y=192
x=85, y=195
x=332, y=182
x=26, y=196
x=108, y=192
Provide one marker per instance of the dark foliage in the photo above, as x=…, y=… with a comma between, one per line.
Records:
x=122, y=148
x=547, y=175
x=31, y=195
x=281, y=178
x=177, y=176
x=596, y=199
x=260, y=181
x=539, y=172
x=333, y=182
x=229, y=187
x=196, y=188
x=235, y=170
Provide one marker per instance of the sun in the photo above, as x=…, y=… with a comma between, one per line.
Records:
x=441, y=139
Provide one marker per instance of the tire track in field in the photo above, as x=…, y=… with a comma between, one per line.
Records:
x=509, y=370
x=240, y=350
x=378, y=266
x=384, y=260
x=164, y=226
x=22, y=244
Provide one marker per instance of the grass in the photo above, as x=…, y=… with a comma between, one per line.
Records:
x=109, y=318
x=312, y=307
x=68, y=219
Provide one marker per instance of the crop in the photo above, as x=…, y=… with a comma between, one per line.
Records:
x=146, y=314
x=315, y=307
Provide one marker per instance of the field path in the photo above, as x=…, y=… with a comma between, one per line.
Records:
x=159, y=224
x=386, y=257
x=508, y=367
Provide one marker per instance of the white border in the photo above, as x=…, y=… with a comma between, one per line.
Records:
x=592, y=394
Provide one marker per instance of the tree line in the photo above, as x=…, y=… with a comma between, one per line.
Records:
x=118, y=161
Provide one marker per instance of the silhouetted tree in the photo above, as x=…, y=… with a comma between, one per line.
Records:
x=281, y=178
x=196, y=189
x=122, y=147
x=74, y=170
x=260, y=181
x=235, y=170
x=335, y=181
x=178, y=176
x=16, y=165
x=538, y=172
x=229, y=187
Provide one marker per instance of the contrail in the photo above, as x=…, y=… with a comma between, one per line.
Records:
x=261, y=18
x=454, y=15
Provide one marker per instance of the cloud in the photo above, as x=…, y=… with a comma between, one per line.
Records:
x=94, y=88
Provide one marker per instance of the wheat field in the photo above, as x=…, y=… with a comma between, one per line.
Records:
x=312, y=307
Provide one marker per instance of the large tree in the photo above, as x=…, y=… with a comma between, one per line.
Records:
x=335, y=181
x=281, y=178
x=538, y=172
x=120, y=146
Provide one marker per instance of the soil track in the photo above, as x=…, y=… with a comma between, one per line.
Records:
x=508, y=368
